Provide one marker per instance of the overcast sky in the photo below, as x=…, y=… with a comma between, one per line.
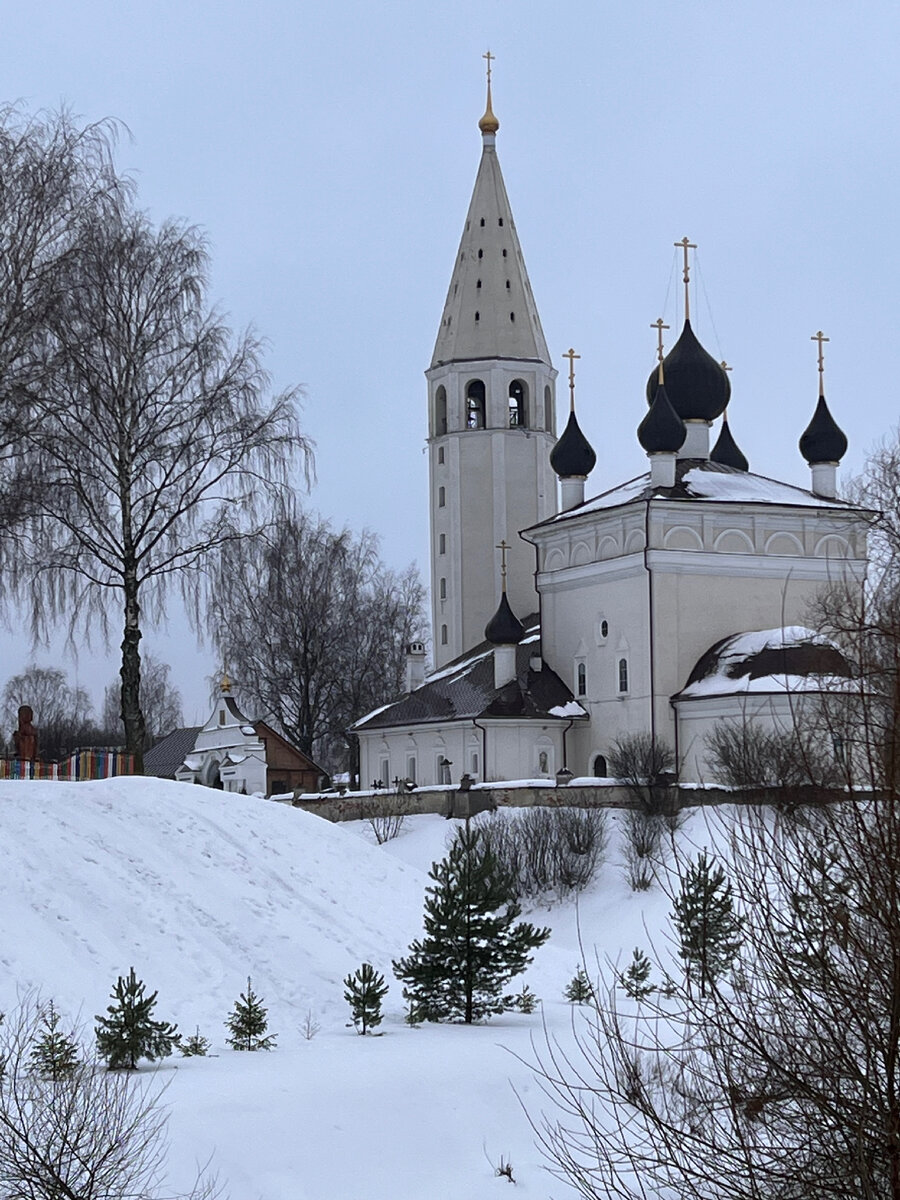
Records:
x=329, y=151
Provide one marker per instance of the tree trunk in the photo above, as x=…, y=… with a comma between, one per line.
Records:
x=132, y=716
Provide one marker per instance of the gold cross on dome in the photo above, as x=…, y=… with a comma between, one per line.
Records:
x=685, y=246
x=724, y=365
x=659, y=327
x=503, y=547
x=821, y=338
x=489, y=58
x=571, y=356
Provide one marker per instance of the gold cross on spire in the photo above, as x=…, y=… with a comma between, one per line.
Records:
x=488, y=123
x=724, y=365
x=659, y=327
x=685, y=246
x=503, y=547
x=571, y=356
x=820, y=338
x=490, y=58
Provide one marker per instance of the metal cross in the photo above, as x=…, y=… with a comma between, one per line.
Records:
x=685, y=246
x=503, y=547
x=571, y=356
x=724, y=365
x=659, y=327
x=490, y=57
x=820, y=338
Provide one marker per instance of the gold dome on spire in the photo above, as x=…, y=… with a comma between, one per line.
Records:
x=488, y=123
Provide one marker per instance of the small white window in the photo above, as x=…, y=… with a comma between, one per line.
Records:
x=385, y=777
x=473, y=767
x=443, y=635
x=411, y=768
x=444, y=765
x=581, y=679
x=623, y=675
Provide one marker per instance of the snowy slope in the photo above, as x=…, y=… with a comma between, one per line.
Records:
x=197, y=890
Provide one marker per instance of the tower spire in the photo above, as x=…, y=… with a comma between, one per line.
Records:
x=488, y=123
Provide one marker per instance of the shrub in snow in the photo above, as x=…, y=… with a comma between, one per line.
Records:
x=546, y=850
x=635, y=981
x=128, y=1032
x=642, y=847
x=472, y=945
x=579, y=990
x=54, y=1055
x=525, y=1001
x=709, y=930
x=364, y=991
x=248, y=1023
x=196, y=1045
x=310, y=1026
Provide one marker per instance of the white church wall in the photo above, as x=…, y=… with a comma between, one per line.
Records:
x=697, y=720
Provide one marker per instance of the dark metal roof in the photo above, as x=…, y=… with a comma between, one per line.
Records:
x=464, y=690
x=573, y=455
x=662, y=431
x=698, y=386
x=164, y=759
x=504, y=628
x=823, y=440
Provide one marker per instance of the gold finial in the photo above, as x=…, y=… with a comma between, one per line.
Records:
x=225, y=685
x=659, y=327
x=489, y=123
x=820, y=338
x=685, y=246
x=503, y=547
x=571, y=356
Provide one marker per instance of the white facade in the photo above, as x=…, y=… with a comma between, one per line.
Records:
x=227, y=753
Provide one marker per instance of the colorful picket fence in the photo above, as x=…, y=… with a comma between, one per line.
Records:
x=83, y=764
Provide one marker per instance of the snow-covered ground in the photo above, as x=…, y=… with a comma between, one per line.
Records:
x=197, y=890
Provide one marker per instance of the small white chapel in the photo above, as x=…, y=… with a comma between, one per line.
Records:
x=563, y=620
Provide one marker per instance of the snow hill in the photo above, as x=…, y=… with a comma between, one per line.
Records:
x=196, y=890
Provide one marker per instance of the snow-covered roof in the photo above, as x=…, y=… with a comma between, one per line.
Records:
x=702, y=480
x=780, y=661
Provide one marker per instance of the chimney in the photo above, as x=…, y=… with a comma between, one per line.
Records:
x=415, y=666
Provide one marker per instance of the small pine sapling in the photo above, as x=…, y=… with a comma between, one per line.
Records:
x=310, y=1026
x=413, y=1016
x=525, y=1001
x=364, y=992
x=579, y=990
x=635, y=981
x=54, y=1055
x=709, y=930
x=129, y=1033
x=196, y=1045
x=248, y=1023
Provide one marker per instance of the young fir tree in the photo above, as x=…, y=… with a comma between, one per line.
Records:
x=635, y=981
x=248, y=1023
x=128, y=1032
x=195, y=1045
x=579, y=990
x=525, y=1001
x=472, y=945
x=709, y=930
x=54, y=1055
x=364, y=992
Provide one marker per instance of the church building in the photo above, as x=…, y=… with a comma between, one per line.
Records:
x=563, y=620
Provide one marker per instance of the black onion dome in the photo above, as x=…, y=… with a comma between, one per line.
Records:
x=726, y=451
x=823, y=440
x=698, y=387
x=662, y=431
x=573, y=455
x=504, y=628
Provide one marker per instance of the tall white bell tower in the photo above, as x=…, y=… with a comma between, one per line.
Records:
x=491, y=420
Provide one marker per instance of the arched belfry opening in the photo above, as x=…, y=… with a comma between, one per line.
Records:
x=548, y=409
x=440, y=411
x=518, y=405
x=475, y=398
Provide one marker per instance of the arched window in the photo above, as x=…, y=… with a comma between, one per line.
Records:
x=517, y=414
x=443, y=589
x=623, y=675
x=442, y=497
x=475, y=404
x=442, y=543
x=600, y=767
x=581, y=676
x=548, y=409
x=440, y=456
x=443, y=635
x=440, y=411
x=444, y=764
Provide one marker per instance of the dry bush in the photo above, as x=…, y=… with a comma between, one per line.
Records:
x=548, y=850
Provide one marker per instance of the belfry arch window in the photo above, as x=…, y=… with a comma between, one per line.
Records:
x=440, y=411
x=475, y=404
x=517, y=405
x=548, y=409
x=581, y=679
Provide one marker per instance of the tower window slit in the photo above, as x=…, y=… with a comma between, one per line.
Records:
x=477, y=315
x=504, y=254
x=443, y=635
x=478, y=285
x=512, y=316
x=443, y=589
x=482, y=222
x=442, y=544
x=481, y=254
x=500, y=221
x=507, y=285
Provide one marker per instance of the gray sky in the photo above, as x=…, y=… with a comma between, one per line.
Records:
x=329, y=151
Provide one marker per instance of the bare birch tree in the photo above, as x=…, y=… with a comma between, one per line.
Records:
x=313, y=626
x=154, y=435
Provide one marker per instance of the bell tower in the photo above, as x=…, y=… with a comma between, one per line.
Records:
x=491, y=419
